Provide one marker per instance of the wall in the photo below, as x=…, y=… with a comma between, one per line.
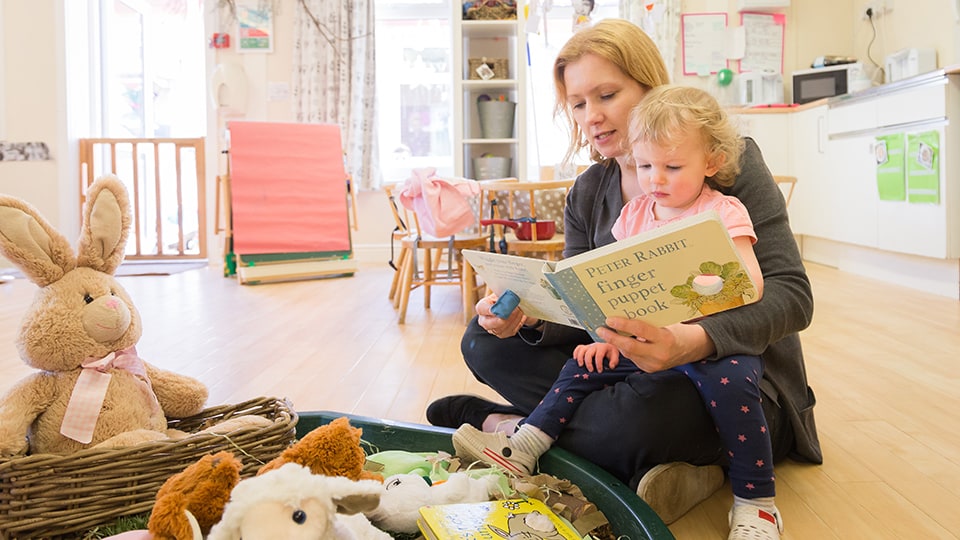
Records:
x=34, y=95
x=32, y=101
x=262, y=69
x=801, y=45
x=836, y=27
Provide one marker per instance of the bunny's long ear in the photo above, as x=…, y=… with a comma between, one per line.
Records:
x=106, y=224
x=42, y=253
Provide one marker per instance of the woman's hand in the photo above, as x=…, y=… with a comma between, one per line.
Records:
x=502, y=328
x=657, y=349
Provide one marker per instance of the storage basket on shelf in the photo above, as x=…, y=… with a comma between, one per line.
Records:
x=498, y=66
x=489, y=9
x=55, y=496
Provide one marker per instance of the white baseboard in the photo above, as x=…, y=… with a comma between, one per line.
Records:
x=374, y=253
x=936, y=276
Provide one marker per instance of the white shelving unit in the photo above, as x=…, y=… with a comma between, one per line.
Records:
x=491, y=39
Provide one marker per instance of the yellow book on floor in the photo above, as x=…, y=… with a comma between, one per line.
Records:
x=509, y=518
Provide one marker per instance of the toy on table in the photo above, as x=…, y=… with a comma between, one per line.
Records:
x=91, y=388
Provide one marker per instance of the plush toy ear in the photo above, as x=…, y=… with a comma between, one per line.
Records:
x=43, y=254
x=353, y=497
x=106, y=224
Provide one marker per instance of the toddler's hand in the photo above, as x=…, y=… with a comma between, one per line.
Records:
x=591, y=356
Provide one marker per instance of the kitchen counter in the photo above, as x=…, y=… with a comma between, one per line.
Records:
x=837, y=211
x=874, y=91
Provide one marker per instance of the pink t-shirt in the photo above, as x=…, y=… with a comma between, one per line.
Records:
x=637, y=215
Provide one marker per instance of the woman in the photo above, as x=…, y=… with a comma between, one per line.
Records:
x=652, y=430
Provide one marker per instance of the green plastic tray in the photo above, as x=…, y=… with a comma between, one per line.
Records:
x=629, y=516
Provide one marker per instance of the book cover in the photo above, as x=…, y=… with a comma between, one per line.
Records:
x=679, y=272
x=510, y=518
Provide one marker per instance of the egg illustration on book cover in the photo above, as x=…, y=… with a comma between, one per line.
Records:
x=714, y=288
x=531, y=526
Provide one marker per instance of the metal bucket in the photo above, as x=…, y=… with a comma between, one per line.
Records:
x=496, y=119
x=488, y=168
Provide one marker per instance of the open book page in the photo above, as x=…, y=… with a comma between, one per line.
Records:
x=681, y=271
x=523, y=276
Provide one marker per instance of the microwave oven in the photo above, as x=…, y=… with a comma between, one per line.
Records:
x=818, y=83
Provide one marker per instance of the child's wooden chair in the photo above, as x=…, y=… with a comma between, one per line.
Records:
x=426, y=261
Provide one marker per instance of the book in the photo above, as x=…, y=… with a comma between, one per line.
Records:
x=508, y=518
x=679, y=272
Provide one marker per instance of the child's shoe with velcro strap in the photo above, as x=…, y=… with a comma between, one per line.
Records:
x=753, y=523
x=493, y=449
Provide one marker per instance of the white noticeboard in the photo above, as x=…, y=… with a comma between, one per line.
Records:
x=704, y=42
x=764, y=35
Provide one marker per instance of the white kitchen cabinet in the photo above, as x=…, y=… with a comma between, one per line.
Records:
x=851, y=182
x=772, y=134
x=836, y=206
x=926, y=229
x=490, y=39
x=813, y=207
x=923, y=228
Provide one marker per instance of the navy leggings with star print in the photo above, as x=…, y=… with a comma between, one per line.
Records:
x=730, y=390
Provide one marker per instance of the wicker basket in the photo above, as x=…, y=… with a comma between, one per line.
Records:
x=52, y=496
x=499, y=66
x=501, y=10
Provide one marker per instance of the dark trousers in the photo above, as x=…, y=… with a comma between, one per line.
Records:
x=626, y=428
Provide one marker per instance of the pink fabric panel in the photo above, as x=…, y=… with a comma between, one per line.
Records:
x=288, y=187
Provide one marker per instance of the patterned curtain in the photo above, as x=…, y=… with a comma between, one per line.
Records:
x=660, y=19
x=334, y=78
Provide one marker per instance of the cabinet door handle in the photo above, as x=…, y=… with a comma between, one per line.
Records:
x=820, y=133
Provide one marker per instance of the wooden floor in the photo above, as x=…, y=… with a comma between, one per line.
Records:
x=883, y=360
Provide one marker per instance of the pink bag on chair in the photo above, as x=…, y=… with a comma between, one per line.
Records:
x=442, y=205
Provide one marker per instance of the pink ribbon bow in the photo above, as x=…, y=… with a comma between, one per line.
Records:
x=82, y=412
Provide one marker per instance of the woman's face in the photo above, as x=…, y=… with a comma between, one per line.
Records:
x=601, y=97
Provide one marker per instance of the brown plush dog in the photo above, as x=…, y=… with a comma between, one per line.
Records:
x=198, y=493
x=331, y=450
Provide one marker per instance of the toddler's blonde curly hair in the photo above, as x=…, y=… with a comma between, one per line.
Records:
x=668, y=114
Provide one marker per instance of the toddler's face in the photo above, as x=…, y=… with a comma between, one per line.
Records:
x=672, y=174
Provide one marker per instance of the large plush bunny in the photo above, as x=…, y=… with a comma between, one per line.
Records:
x=80, y=333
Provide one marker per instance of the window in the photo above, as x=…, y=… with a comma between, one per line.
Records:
x=153, y=68
x=549, y=136
x=414, y=85
x=151, y=84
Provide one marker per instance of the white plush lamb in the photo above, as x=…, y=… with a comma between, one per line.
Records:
x=293, y=504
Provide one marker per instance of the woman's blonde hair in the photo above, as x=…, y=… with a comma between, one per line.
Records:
x=620, y=42
x=669, y=114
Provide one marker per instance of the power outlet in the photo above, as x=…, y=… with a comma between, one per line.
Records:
x=877, y=9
